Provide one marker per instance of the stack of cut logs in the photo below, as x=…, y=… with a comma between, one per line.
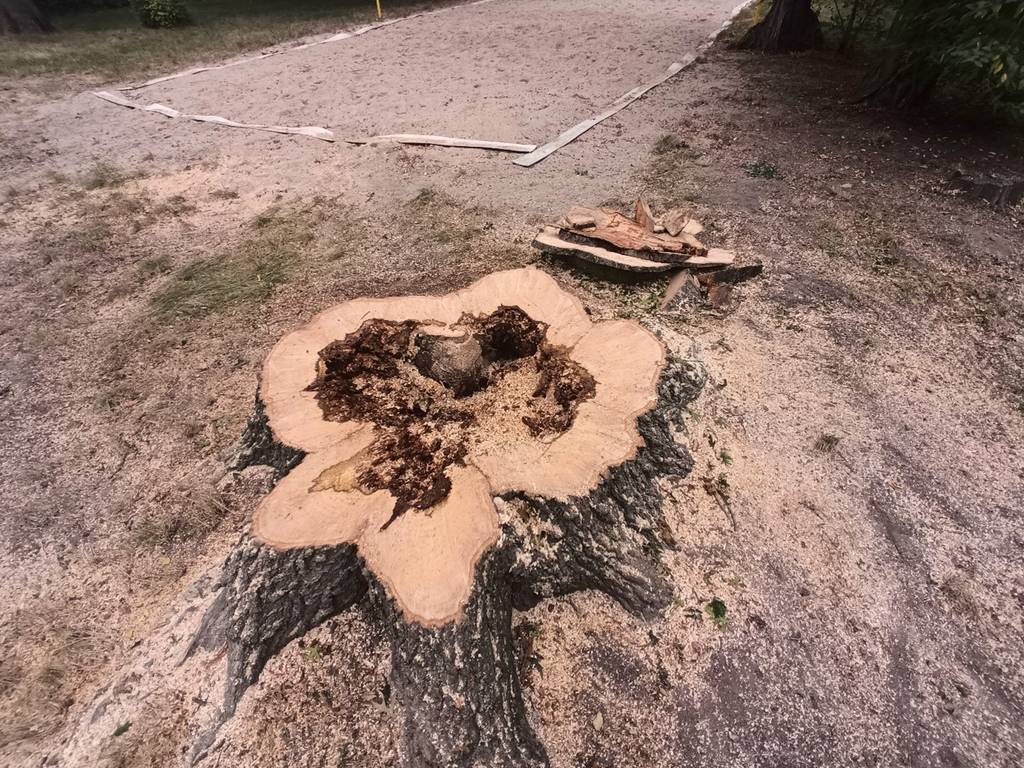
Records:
x=645, y=245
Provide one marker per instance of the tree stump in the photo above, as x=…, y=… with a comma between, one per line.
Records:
x=791, y=25
x=449, y=459
x=23, y=17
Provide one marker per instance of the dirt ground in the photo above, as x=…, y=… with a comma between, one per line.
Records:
x=863, y=423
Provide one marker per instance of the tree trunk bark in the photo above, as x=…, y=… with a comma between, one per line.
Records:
x=22, y=16
x=458, y=684
x=791, y=25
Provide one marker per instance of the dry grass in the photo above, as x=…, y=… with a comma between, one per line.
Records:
x=246, y=273
x=105, y=175
x=190, y=517
x=46, y=658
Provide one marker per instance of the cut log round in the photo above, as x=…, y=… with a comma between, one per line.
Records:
x=557, y=494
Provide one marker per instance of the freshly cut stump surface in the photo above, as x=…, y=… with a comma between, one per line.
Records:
x=453, y=458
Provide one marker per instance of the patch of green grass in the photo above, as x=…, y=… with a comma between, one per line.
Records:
x=245, y=273
x=716, y=610
x=111, y=43
x=313, y=652
x=762, y=169
x=224, y=281
x=122, y=729
x=725, y=457
x=642, y=300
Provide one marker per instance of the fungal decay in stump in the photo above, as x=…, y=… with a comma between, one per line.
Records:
x=451, y=458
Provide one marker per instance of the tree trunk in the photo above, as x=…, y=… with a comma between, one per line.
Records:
x=791, y=25
x=458, y=683
x=22, y=16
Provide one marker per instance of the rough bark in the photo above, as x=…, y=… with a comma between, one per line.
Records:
x=22, y=17
x=1001, y=192
x=458, y=684
x=258, y=446
x=791, y=25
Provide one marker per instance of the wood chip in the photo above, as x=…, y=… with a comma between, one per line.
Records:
x=549, y=241
x=678, y=221
x=579, y=221
x=642, y=215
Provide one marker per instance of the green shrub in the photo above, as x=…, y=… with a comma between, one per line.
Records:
x=965, y=48
x=163, y=14
x=978, y=44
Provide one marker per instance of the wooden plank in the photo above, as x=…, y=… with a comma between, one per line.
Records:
x=312, y=131
x=678, y=221
x=548, y=241
x=619, y=104
x=446, y=141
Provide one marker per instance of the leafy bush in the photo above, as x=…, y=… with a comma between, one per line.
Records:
x=163, y=13
x=978, y=43
x=924, y=45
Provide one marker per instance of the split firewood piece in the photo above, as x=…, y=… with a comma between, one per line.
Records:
x=678, y=222
x=579, y=221
x=421, y=440
x=683, y=288
x=549, y=241
x=620, y=231
x=730, y=276
x=642, y=214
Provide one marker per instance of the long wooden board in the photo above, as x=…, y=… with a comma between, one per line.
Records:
x=621, y=103
x=446, y=141
x=313, y=131
x=547, y=240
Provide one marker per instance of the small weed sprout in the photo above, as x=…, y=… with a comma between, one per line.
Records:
x=669, y=143
x=716, y=610
x=762, y=169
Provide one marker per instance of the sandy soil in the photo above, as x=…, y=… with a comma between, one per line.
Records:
x=873, y=584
